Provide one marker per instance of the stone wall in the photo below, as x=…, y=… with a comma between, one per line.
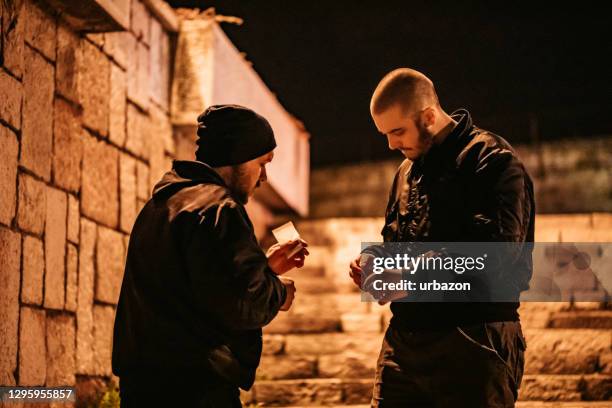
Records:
x=84, y=134
x=570, y=176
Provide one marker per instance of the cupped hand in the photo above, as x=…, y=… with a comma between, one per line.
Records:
x=278, y=256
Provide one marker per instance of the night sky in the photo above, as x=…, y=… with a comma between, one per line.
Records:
x=520, y=70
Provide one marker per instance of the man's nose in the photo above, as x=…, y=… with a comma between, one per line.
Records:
x=392, y=143
x=263, y=177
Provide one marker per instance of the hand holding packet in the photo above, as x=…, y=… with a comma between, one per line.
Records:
x=286, y=233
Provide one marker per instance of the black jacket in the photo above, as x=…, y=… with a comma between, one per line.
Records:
x=470, y=188
x=197, y=287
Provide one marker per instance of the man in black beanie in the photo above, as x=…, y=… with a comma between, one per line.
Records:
x=197, y=288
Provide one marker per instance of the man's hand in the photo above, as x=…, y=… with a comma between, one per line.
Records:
x=278, y=260
x=290, y=286
x=356, y=271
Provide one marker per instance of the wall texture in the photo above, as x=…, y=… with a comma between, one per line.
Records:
x=570, y=176
x=84, y=134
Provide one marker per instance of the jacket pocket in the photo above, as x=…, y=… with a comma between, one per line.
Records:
x=225, y=364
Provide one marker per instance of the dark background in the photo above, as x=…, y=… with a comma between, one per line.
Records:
x=525, y=72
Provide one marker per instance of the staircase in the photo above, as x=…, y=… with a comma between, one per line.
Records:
x=323, y=351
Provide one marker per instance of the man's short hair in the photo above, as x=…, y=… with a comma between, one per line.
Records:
x=410, y=89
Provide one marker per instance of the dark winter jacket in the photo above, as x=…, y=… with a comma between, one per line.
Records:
x=470, y=188
x=197, y=287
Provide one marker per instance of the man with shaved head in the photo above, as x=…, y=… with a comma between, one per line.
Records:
x=459, y=183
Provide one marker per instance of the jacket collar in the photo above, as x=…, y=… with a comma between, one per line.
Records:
x=454, y=142
x=187, y=173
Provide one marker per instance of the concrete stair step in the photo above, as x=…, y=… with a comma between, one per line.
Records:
x=335, y=231
x=319, y=256
x=296, y=323
x=519, y=404
x=592, y=387
x=322, y=344
x=326, y=312
x=353, y=355
x=334, y=391
x=563, y=404
x=568, y=351
x=595, y=319
x=310, y=392
x=313, y=284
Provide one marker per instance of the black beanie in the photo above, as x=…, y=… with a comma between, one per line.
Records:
x=232, y=134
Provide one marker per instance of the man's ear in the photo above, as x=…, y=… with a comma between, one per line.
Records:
x=429, y=117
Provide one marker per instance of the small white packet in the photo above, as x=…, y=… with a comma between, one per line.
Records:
x=285, y=233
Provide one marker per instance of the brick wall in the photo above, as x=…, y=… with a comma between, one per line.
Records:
x=84, y=134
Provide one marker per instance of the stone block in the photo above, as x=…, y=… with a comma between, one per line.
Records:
x=13, y=29
x=37, y=132
x=61, y=363
x=104, y=317
x=160, y=65
x=127, y=185
x=33, y=271
x=100, y=185
x=9, y=149
x=117, y=110
x=67, y=147
x=140, y=205
x=55, y=248
x=597, y=388
x=288, y=322
x=72, y=276
x=585, y=319
x=286, y=367
x=126, y=245
x=551, y=388
x=68, y=63
x=565, y=351
x=10, y=256
x=94, y=87
x=348, y=365
x=74, y=218
x=313, y=392
x=144, y=75
x=96, y=38
x=332, y=343
x=273, y=344
x=138, y=75
x=159, y=164
x=110, y=255
x=31, y=205
x=140, y=21
x=361, y=322
x=85, y=296
x=605, y=362
x=118, y=45
x=137, y=132
x=11, y=94
x=142, y=175
x=161, y=128
x=40, y=28
x=328, y=304
x=32, y=348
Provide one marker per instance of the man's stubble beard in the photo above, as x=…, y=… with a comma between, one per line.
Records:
x=426, y=139
x=238, y=185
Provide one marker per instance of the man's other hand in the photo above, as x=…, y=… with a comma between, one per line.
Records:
x=278, y=256
x=356, y=271
x=290, y=286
